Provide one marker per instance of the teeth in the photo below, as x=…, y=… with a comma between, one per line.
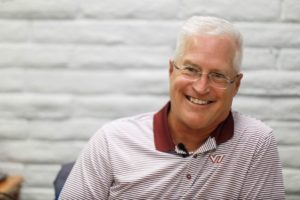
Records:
x=198, y=101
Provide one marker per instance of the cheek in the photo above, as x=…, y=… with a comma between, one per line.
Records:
x=178, y=86
x=226, y=99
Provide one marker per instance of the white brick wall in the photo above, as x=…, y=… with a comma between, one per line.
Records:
x=69, y=66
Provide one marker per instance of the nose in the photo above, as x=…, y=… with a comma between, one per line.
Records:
x=201, y=84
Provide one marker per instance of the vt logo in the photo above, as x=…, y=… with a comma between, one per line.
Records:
x=216, y=158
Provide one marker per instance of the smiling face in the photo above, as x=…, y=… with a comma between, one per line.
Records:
x=195, y=105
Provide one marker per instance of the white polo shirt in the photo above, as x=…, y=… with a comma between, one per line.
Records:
x=135, y=158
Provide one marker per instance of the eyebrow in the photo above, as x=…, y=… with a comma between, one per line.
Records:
x=191, y=63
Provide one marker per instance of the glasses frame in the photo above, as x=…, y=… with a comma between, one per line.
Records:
x=228, y=80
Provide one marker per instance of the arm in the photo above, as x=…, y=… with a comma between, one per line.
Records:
x=91, y=176
x=264, y=178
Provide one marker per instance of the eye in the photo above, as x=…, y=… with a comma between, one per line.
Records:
x=190, y=69
x=218, y=76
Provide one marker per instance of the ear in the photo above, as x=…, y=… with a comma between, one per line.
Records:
x=171, y=68
x=238, y=83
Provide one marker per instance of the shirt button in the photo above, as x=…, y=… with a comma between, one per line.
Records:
x=195, y=156
x=188, y=176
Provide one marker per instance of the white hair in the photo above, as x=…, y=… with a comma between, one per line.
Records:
x=198, y=25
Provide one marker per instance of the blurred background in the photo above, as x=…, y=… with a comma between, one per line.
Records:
x=69, y=66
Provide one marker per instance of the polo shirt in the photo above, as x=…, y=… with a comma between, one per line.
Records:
x=135, y=158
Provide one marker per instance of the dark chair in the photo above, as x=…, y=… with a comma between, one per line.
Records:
x=61, y=178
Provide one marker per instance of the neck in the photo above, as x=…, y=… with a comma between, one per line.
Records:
x=191, y=138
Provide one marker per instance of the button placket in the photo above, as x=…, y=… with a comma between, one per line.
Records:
x=188, y=176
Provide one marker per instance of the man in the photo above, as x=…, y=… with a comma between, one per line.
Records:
x=195, y=147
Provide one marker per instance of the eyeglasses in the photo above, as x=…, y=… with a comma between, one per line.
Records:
x=216, y=80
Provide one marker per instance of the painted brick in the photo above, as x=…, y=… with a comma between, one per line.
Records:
x=85, y=82
x=14, y=31
x=289, y=59
x=287, y=133
x=106, y=32
x=292, y=180
x=10, y=55
x=258, y=10
x=38, y=9
x=278, y=35
x=35, y=106
x=292, y=197
x=288, y=156
x=290, y=10
x=12, y=168
x=100, y=57
x=74, y=129
x=259, y=59
x=12, y=80
x=37, y=193
x=147, y=9
x=35, y=56
x=123, y=57
x=268, y=83
x=13, y=129
x=268, y=108
x=40, y=152
x=40, y=175
x=109, y=106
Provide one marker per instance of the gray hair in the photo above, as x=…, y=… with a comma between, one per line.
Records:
x=198, y=25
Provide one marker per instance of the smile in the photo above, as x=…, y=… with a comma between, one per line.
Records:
x=198, y=101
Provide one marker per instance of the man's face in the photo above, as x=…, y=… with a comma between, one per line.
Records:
x=196, y=105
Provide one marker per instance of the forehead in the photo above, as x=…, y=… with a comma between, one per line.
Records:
x=209, y=50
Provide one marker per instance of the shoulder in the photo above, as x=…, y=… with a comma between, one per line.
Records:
x=251, y=126
x=253, y=134
x=127, y=123
x=137, y=126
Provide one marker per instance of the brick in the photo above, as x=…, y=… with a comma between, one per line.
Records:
x=249, y=10
x=13, y=129
x=289, y=59
x=39, y=9
x=163, y=9
x=14, y=31
x=74, y=129
x=12, y=80
x=46, y=56
x=259, y=59
x=268, y=108
x=114, y=106
x=292, y=196
x=37, y=193
x=290, y=10
x=12, y=168
x=278, y=35
x=10, y=55
x=284, y=83
x=92, y=82
x=35, y=56
x=288, y=156
x=35, y=106
x=106, y=32
x=60, y=56
x=292, y=180
x=121, y=57
x=40, y=175
x=40, y=152
x=287, y=133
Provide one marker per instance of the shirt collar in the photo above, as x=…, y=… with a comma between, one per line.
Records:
x=162, y=136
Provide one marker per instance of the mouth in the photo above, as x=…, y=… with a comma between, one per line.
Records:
x=198, y=101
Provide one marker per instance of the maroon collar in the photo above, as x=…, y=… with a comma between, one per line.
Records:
x=162, y=136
